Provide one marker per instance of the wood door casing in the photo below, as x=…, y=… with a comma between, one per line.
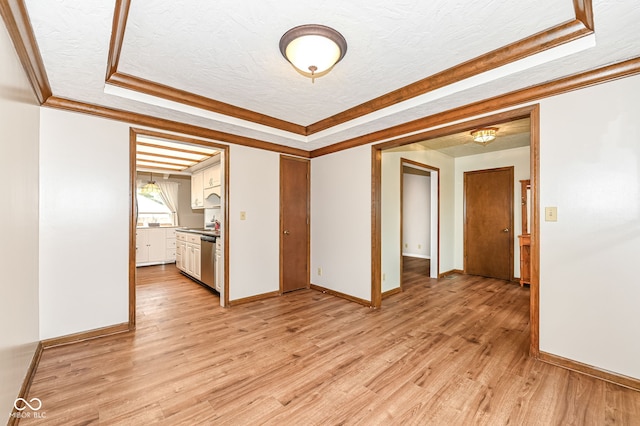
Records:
x=294, y=223
x=488, y=223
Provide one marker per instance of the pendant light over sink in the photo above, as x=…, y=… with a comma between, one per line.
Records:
x=313, y=49
x=151, y=187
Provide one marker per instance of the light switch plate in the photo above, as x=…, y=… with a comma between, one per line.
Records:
x=551, y=214
x=243, y=215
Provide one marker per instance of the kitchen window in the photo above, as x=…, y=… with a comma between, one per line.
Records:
x=153, y=209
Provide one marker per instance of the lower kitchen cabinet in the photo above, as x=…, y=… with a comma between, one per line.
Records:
x=188, y=253
x=181, y=248
x=155, y=246
x=219, y=276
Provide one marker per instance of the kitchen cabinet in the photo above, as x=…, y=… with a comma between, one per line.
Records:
x=181, y=248
x=155, y=246
x=170, y=243
x=189, y=253
x=197, y=190
x=204, y=183
x=211, y=176
x=219, y=275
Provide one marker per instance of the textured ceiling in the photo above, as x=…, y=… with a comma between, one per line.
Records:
x=510, y=135
x=228, y=51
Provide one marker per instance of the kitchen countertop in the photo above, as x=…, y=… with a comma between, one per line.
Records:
x=202, y=231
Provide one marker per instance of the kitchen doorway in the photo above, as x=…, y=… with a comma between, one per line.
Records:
x=167, y=165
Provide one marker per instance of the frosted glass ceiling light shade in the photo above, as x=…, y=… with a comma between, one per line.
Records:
x=313, y=49
x=484, y=136
x=150, y=187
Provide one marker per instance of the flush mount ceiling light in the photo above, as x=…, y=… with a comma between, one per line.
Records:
x=485, y=135
x=313, y=49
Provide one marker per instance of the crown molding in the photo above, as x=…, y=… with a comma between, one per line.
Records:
x=544, y=40
x=169, y=125
x=129, y=82
x=120, y=16
x=151, y=88
x=19, y=27
x=584, y=13
x=575, y=29
x=519, y=97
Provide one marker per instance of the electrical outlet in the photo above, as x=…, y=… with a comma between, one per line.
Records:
x=406, y=245
x=243, y=215
x=384, y=277
x=419, y=246
x=551, y=214
x=319, y=271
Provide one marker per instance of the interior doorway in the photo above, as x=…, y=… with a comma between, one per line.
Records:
x=380, y=223
x=188, y=145
x=419, y=217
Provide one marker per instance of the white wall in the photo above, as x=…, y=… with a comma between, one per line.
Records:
x=416, y=216
x=341, y=222
x=519, y=158
x=590, y=170
x=84, y=223
x=85, y=204
x=19, y=122
x=254, y=188
x=391, y=166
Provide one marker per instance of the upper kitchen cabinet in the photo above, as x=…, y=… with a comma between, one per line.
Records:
x=212, y=176
x=197, y=190
x=204, y=184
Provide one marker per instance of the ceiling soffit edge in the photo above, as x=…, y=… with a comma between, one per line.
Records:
x=519, y=97
x=495, y=119
x=120, y=16
x=151, y=88
x=137, y=119
x=558, y=35
x=21, y=33
x=410, y=129
x=537, y=43
x=20, y=30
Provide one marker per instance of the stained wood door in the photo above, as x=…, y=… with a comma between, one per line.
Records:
x=488, y=223
x=294, y=223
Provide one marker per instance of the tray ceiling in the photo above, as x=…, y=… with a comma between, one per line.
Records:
x=227, y=52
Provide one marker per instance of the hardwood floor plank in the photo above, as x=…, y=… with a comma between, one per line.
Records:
x=446, y=351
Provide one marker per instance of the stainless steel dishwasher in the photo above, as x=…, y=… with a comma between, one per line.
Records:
x=208, y=260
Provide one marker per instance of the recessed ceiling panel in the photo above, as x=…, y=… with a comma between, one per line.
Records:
x=228, y=50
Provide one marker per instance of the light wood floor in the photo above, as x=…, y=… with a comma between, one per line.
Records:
x=450, y=351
